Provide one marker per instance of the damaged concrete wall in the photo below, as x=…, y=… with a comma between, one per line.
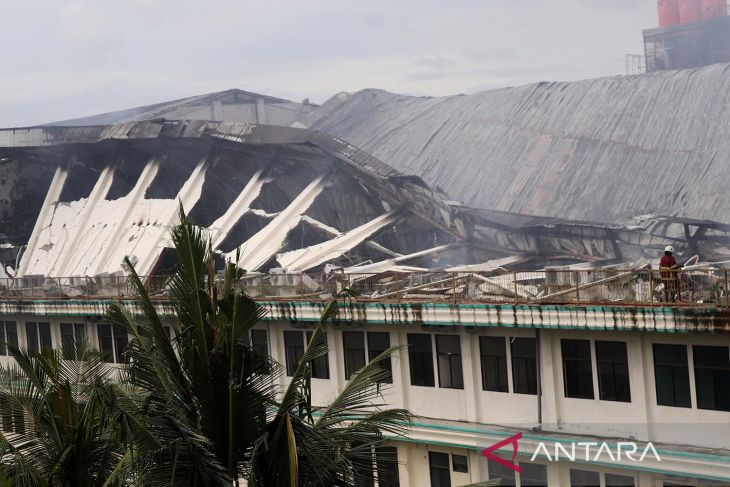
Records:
x=603, y=149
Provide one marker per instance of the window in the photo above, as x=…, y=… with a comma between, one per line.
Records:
x=613, y=371
x=448, y=352
x=387, y=460
x=294, y=351
x=14, y=421
x=671, y=374
x=524, y=366
x=613, y=480
x=420, y=359
x=363, y=469
x=259, y=341
x=460, y=463
x=577, y=369
x=353, y=343
x=379, y=342
x=584, y=478
x=494, y=364
x=73, y=336
x=438, y=464
x=533, y=475
x=38, y=336
x=712, y=377
x=112, y=343
x=8, y=335
x=497, y=471
x=320, y=365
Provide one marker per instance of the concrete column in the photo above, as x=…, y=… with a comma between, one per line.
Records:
x=400, y=369
x=550, y=370
x=471, y=375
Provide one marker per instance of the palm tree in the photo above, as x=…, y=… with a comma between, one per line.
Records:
x=211, y=400
x=65, y=422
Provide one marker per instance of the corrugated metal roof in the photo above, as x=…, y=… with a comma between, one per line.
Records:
x=604, y=149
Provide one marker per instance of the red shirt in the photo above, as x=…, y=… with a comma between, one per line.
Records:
x=667, y=261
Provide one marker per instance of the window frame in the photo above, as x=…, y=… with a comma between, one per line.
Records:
x=423, y=358
x=118, y=337
x=373, y=352
x=354, y=357
x=679, y=372
x=455, y=373
x=443, y=471
x=494, y=366
x=525, y=363
x=5, y=337
x=574, y=366
x=36, y=344
x=701, y=370
x=610, y=361
x=72, y=354
x=319, y=367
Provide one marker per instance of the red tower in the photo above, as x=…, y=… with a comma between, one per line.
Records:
x=668, y=12
x=690, y=11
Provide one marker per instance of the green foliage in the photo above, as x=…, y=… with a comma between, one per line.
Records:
x=66, y=423
x=195, y=405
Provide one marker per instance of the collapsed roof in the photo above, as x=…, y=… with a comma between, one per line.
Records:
x=603, y=149
x=74, y=201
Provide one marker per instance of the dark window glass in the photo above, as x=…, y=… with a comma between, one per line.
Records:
x=320, y=365
x=259, y=341
x=387, y=460
x=493, y=353
x=613, y=371
x=420, y=359
x=112, y=342
x=364, y=473
x=584, y=478
x=712, y=377
x=121, y=340
x=438, y=464
x=106, y=343
x=497, y=471
x=448, y=352
x=44, y=334
x=460, y=463
x=353, y=343
x=293, y=350
x=533, y=475
x=524, y=366
x=8, y=335
x=31, y=336
x=613, y=480
x=671, y=374
x=577, y=370
x=379, y=342
x=73, y=335
x=68, y=344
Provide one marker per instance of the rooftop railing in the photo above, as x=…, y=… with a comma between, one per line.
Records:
x=695, y=287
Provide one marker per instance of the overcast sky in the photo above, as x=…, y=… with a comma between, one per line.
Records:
x=65, y=59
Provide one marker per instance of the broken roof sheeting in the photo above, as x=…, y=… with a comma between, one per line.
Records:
x=248, y=185
x=603, y=149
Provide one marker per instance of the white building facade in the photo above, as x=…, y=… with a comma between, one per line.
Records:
x=628, y=404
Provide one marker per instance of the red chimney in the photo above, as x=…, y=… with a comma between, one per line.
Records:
x=714, y=8
x=668, y=12
x=690, y=11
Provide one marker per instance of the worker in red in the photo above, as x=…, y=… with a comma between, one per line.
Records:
x=669, y=273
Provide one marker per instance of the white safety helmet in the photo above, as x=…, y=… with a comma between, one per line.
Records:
x=669, y=248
